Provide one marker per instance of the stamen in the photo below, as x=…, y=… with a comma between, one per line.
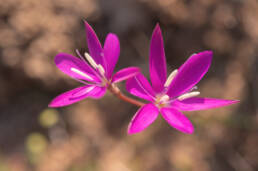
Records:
x=81, y=73
x=188, y=95
x=164, y=98
x=101, y=69
x=170, y=78
x=78, y=53
x=94, y=64
x=91, y=60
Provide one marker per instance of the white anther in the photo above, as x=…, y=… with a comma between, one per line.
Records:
x=81, y=73
x=164, y=98
x=94, y=64
x=188, y=95
x=91, y=60
x=170, y=78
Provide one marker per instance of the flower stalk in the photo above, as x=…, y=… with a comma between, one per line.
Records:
x=116, y=92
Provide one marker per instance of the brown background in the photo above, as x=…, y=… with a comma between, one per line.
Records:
x=91, y=135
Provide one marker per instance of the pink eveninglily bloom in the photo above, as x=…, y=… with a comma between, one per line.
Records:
x=169, y=96
x=95, y=72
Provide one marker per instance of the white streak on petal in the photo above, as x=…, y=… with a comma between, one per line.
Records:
x=89, y=89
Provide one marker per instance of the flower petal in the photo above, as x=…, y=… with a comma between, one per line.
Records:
x=190, y=73
x=94, y=45
x=140, y=87
x=143, y=118
x=158, y=69
x=125, y=73
x=74, y=67
x=78, y=94
x=111, y=53
x=177, y=120
x=196, y=103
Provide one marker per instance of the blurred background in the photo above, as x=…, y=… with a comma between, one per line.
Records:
x=92, y=135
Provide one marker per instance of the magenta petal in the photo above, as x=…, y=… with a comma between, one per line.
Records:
x=196, y=103
x=74, y=67
x=158, y=69
x=94, y=45
x=140, y=87
x=177, y=120
x=125, y=74
x=143, y=118
x=190, y=73
x=78, y=94
x=111, y=53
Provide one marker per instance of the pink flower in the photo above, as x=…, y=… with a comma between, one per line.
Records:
x=169, y=96
x=96, y=73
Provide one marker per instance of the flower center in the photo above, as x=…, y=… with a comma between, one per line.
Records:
x=161, y=100
x=97, y=67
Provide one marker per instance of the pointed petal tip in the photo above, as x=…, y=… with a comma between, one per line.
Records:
x=230, y=102
x=157, y=29
x=60, y=56
x=157, y=26
x=130, y=132
x=52, y=104
x=89, y=29
x=112, y=38
x=207, y=53
x=112, y=34
x=86, y=23
x=189, y=131
x=235, y=101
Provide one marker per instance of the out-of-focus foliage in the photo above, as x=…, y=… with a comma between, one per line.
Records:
x=91, y=135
